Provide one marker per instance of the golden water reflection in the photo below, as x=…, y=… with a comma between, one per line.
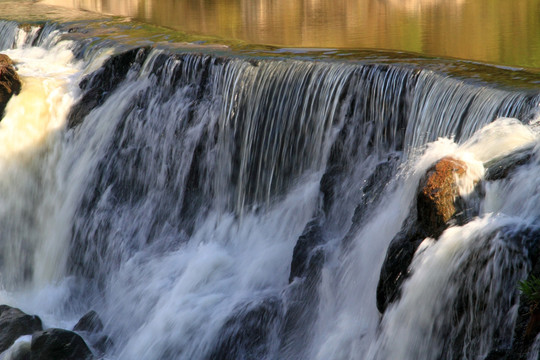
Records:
x=496, y=31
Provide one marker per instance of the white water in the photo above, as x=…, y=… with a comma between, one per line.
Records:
x=478, y=259
x=165, y=291
x=31, y=133
x=349, y=318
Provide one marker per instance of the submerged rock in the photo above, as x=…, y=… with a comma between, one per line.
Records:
x=90, y=322
x=10, y=84
x=502, y=167
x=59, y=344
x=14, y=323
x=91, y=327
x=250, y=332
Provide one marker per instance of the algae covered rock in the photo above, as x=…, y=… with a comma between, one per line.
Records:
x=438, y=191
x=10, y=84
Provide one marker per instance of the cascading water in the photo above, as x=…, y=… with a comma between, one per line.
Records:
x=171, y=193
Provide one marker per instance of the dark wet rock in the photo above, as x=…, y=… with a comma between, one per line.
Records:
x=302, y=300
x=527, y=326
x=310, y=238
x=59, y=344
x=10, y=84
x=301, y=297
x=19, y=351
x=438, y=205
x=101, y=344
x=250, y=332
x=395, y=268
x=89, y=322
x=14, y=323
x=374, y=188
x=437, y=194
x=504, y=166
x=98, y=86
x=91, y=327
x=498, y=354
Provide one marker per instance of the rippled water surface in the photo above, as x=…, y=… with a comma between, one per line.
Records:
x=495, y=31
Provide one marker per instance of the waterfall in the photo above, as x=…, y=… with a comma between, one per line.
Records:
x=221, y=206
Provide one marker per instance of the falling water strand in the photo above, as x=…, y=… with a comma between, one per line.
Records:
x=172, y=202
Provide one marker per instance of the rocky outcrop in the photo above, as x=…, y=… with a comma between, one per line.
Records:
x=53, y=343
x=14, y=323
x=98, y=86
x=90, y=322
x=91, y=327
x=10, y=84
x=438, y=204
x=395, y=267
x=58, y=344
x=248, y=333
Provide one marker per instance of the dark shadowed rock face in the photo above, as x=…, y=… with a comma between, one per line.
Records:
x=249, y=332
x=310, y=238
x=58, y=344
x=14, y=324
x=10, y=84
x=502, y=167
x=90, y=322
x=91, y=327
x=395, y=267
x=98, y=86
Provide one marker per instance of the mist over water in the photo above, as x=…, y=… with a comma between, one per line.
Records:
x=174, y=206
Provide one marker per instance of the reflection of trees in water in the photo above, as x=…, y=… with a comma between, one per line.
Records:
x=416, y=6
x=487, y=30
x=129, y=8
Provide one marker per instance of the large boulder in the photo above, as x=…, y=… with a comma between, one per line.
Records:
x=14, y=323
x=438, y=190
x=59, y=344
x=10, y=84
x=438, y=205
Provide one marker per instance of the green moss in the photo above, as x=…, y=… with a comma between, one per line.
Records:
x=530, y=288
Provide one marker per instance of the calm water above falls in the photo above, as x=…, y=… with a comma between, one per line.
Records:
x=495, y=31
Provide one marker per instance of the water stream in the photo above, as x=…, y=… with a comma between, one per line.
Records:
x=172, y=204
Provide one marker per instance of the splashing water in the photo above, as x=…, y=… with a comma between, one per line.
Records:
x=174, y=205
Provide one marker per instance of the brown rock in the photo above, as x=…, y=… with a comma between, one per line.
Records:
x=10, y=84
x=533, y=326
x=436, y=201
